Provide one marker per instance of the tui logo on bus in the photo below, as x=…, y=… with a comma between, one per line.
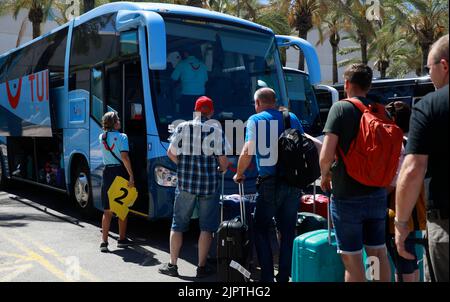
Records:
x=39, y=88
x=13, y=99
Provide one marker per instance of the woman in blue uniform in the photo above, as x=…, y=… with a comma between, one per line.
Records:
x=117, y=163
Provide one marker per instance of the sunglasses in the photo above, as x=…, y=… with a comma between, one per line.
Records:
x=427, y=68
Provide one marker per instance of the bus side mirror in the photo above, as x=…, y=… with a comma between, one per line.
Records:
x=156, y=34
x=312, y=60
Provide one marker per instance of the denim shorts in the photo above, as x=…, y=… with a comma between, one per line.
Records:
x=360, y=221
x=183, y=207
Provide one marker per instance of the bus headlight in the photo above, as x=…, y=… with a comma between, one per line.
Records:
x=165, y=177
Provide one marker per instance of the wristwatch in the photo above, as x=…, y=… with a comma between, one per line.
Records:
x=403, y=224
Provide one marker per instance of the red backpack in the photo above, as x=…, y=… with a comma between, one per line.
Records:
x=373, y=156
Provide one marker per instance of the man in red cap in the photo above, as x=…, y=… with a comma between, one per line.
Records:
x=205, y=106
x=198, y=166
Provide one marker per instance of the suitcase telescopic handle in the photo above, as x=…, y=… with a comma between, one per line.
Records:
x=222, y=196
x=241, y=201
x=329, y=216
x=314, y=197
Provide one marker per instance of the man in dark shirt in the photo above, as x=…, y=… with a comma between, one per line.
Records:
x=358, y=211
x=427, y=152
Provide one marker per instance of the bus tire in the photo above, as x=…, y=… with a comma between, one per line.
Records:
x=81, y=189
x=3, y=178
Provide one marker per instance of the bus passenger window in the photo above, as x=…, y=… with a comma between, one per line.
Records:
x=97, y=94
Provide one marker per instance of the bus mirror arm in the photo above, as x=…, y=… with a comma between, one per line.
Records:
x=156, y=34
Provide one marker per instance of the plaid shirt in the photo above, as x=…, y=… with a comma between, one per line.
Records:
x=197, y=166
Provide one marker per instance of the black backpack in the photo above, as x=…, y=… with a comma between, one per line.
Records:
x=297, y=156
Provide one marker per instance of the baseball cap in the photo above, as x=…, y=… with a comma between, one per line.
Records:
x=204, y=105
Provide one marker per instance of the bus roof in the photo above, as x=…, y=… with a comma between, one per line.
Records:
x=167, y=9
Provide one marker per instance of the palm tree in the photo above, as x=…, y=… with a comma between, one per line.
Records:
x=276, y=21
x=410, y=59
x=332, y=25
x=302, y=16
x=424, y=21
x=358, y=27
x=388, y=48
x=38, y=11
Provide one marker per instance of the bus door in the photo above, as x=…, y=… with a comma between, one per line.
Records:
x=133, y=123
x=124, y=95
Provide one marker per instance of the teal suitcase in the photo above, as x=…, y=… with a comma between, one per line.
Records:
x=314, y=258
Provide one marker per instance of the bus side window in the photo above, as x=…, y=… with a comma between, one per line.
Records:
x=97, y=93
x=113, y=89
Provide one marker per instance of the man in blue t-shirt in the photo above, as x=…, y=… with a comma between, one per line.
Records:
x=275, y=198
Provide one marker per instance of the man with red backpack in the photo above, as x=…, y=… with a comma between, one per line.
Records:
x=359, y=158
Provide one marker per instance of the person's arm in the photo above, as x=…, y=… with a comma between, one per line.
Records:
x=409, y=184
x=124, y=149
x=172, y=154
x=412, y=172
x=127, y=163
x=223, y=163
x=244, y=161
x=327, y=155
x=176, y=73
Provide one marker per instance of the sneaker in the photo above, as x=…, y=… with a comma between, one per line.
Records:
x=204, y=271
x=104, y=247
x=124, y=243
x=169, y=269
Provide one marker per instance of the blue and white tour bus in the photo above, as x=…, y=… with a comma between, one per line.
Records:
x=120, y=56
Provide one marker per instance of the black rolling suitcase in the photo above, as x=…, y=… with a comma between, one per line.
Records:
x=233, y=246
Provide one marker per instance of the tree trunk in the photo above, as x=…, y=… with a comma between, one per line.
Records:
x=88, y=5
x=301, y=59
x=196, y=3
x=334, y=42
x=36, y=29
x=425, y=50
x=383, y=65
x=36, y=16
x=283, y=56
x=383, y=72
x=363, y=43
x=335, y=65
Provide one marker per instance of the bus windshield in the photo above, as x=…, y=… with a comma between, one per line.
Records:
x=226, y=63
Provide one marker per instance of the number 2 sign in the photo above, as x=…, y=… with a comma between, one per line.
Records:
x=121, y=197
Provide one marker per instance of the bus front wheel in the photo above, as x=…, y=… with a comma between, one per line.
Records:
x=3, y=179
x=82, y=190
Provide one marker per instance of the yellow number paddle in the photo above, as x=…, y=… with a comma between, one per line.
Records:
x=121, y=197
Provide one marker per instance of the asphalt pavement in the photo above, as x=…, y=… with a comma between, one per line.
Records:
x=43, y=237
